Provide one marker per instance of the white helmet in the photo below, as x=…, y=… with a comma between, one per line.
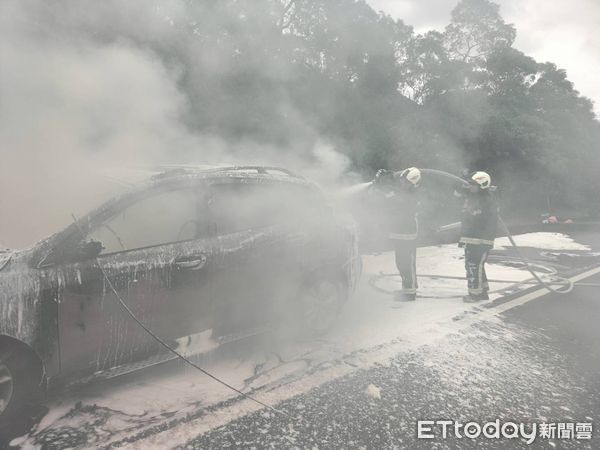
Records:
x=482, y=179
x=412, y=175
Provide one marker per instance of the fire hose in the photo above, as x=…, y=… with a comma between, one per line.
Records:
x=567, y=285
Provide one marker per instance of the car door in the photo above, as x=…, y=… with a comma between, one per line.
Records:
x=262, y=241
x=154, y=250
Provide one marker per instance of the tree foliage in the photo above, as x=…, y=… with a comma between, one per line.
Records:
x=288, y=73
x=476, y=31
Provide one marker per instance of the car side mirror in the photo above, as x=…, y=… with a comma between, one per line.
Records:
x=82, y=252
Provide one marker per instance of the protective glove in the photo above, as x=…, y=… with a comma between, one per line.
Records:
x=383, y=177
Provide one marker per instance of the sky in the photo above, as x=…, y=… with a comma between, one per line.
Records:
x=565, y=32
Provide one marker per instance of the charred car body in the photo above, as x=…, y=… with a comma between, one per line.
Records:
x=199, y=256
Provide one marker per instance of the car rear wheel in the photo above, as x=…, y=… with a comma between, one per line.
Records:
x=321, y=302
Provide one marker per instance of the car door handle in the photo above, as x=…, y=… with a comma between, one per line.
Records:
x=191, y=263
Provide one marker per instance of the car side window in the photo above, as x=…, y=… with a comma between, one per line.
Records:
x=166, y=217
x=242, y=206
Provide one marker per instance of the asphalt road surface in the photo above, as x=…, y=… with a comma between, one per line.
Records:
x=539, y=364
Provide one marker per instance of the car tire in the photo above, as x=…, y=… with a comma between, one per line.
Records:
x=19, y=390
x=321, y=300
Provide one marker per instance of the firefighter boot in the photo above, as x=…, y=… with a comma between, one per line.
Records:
x=472, y=298
x=401, y=296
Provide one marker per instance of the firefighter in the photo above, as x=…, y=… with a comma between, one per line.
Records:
x=478, y=230
x=400, y=191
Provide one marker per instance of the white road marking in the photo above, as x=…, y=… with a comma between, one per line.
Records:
x=183, y=433
x=540, y=292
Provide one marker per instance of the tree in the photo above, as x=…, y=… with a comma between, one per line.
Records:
x=427, y=71
x=509, y=74
x=476, y=30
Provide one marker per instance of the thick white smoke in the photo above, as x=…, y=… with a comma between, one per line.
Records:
x=71, y=109
x=79, y=101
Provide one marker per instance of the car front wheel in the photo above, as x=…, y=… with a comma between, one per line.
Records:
x=7, y=388
x=19, y=389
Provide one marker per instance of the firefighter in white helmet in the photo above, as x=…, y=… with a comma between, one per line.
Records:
x=478, y=230
x=400, y=190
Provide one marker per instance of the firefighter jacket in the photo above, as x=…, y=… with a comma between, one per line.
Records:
x=400, y=206
x=479, y=219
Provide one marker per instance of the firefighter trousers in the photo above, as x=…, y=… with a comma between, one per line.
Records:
x=406, y=262
x=475, y=258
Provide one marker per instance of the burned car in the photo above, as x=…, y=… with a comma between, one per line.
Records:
x=200, y=256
